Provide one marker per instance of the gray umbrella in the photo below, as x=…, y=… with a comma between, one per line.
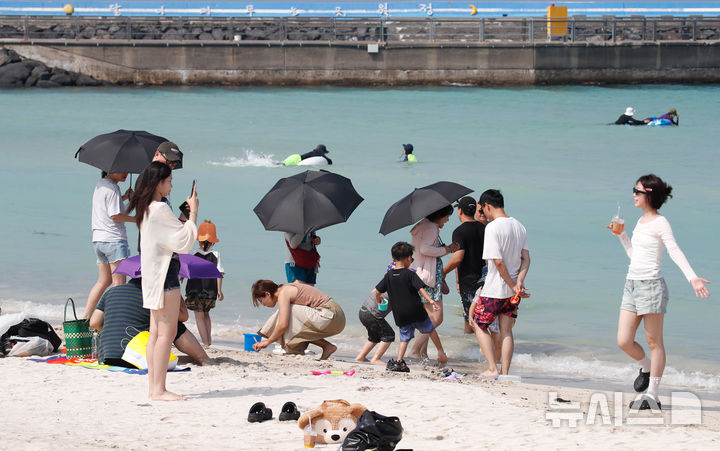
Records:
x=307, y=202
x=420, y=203
x=121, y=151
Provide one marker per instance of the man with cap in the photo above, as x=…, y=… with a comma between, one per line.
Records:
x=627, y=118
x=408, y=154
x=319, y=151
x=169, y=153
x=467, y=261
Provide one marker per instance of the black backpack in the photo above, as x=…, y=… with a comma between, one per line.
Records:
x=33, y=327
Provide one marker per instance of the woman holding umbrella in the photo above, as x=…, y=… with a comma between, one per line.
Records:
x=162, y=234
x=427, y=263
x=305, y=315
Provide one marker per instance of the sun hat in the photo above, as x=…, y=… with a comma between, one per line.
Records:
x=170, y=151
x=206, y=232
x=321, y=148
x=629, y=111
x=408, y=148
x=467, y=205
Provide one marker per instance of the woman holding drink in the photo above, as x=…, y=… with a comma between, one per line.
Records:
x=645, y=296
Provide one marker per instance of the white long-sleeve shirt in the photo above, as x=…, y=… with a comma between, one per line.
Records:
x=645, y=250
x=161, y=234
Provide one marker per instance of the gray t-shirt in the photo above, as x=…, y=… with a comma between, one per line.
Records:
x=372, y=306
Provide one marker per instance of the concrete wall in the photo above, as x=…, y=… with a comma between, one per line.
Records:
x=342, y=63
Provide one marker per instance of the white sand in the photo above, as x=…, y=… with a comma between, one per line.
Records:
x=58, y=406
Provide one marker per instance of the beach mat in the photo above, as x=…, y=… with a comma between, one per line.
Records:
x=94, y=365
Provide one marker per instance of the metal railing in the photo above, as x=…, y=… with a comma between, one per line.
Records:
x=446, y=30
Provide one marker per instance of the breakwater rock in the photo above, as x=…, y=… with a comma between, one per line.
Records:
x=18, y=72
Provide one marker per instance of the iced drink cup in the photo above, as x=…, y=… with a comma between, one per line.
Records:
x=309, y=435
x=618, y=225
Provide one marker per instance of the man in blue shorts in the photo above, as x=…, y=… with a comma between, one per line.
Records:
x=506, y=251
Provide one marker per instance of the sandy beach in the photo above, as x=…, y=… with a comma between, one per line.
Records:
x=72, y=407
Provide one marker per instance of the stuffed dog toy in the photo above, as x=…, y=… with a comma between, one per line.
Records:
x=333, y=420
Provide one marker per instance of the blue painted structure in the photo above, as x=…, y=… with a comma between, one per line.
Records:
x=350, y=8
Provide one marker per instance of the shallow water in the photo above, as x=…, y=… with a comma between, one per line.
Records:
x=561, y=168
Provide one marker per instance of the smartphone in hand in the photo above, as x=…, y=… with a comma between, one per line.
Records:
x=193, y=187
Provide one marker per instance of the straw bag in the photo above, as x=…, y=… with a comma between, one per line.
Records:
x=78, y=337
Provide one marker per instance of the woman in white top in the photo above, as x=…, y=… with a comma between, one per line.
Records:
x=161, y=236
x=645, y=296
x=428, y=266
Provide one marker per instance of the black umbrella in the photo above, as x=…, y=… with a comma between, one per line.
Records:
x=307, y=202
x=121, y=151
x=420, y=203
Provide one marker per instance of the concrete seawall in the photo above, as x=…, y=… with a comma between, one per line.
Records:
x=344, y=63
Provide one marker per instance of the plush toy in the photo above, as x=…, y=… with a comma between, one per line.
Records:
x=333, y=420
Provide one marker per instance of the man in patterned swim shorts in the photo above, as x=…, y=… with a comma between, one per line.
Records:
x=506, y=251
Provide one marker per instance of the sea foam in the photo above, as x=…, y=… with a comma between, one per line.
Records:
x=251, y=159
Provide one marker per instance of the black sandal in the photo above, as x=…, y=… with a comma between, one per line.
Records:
x=647, y=403
x=642, y=382
x=259, y=413
x=289, y=412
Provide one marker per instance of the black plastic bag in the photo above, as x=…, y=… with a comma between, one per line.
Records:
x=33, y=327
x=374, y=431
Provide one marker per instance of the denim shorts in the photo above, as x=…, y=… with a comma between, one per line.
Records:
x=645, y=296
x=172, y=280
x=111, y=251
x=407, y=333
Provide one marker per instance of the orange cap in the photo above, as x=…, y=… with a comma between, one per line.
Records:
x=206, y=232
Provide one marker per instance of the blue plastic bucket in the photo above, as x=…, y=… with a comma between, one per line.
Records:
x=250, y=340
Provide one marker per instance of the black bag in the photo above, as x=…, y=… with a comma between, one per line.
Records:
x=33, y=327
x=374, y=431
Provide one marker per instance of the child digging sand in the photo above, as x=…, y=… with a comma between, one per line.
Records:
x=404, y=289
x=200, y=294
x=379, y=331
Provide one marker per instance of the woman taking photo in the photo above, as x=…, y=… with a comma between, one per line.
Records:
x=161, y=236
x=304, y=315
x=428, y=266
x=645, y=296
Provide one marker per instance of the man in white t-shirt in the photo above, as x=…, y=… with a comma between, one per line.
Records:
x=506, y=252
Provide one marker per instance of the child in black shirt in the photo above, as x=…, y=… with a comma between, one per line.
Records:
x=404, y=289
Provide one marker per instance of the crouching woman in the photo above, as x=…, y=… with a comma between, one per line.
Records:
x=304, y=315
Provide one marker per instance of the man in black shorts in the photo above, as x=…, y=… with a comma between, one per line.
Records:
x=467, y=261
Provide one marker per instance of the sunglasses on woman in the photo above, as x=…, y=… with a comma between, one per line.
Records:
x=637, y=191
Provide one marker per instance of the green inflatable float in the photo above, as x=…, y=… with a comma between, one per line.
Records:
x=292, y=160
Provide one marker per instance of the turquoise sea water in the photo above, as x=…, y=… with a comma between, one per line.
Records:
x=561, y=168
